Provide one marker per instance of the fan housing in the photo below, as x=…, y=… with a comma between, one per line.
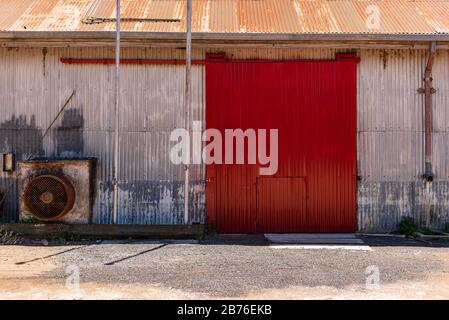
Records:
x=57, y=190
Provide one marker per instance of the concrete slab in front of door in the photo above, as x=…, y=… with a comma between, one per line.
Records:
x=313, y=238
x=321, y=247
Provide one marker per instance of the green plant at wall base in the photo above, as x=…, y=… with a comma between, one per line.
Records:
x=446, y=228
x=211, y=229
x=29, y=219
x=199, y=236
x=64, y=236
x=408, y=226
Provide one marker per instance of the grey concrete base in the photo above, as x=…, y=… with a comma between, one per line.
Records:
x=391, y=235
x=313, y=238
x=105, y=230
x=433, y=237
x=381, y=205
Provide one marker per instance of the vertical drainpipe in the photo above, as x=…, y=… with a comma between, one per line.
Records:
x=428, y=90
x=116, y=169
x=428, y=129
x=187, y=103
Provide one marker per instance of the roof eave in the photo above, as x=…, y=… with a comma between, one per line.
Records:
x=129, y=35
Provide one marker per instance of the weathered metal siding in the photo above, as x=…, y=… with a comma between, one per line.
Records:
x=35, y=84
x=439, y=197
x=441, y=116
x=391, y=140
x=390, y=127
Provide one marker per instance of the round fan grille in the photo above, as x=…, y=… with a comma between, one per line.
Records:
x=49, y=197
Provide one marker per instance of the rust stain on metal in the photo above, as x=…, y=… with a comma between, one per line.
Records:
x=44, y=55
x=229, y=16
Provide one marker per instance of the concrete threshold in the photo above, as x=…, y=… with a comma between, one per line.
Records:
x=322, y=247
x=442, y=236
x=313, y=238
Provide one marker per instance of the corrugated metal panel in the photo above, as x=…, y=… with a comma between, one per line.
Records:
x=395, y=17
x=147, y=9
x=390, y=114
x=440, y=188
x=52, y=15
x=390, y=122
x=435, y=14
x=285, y=196
x=390, y=155
x=316, y=16
x=391, y=140
x=305, y=101
x=35, y=87
x=441, y=115
x=10, y=12
x=231, y=16
x=382, y=204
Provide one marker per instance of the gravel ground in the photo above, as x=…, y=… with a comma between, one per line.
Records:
x=227, y=267
x=10, y=238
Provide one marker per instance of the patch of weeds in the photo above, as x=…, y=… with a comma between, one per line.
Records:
x=211, y=229
x=64, y=236
x=210, y=232
x=75, y=237
x=10, y=237
x=29, y=219
x=408, y=226
x=199, y=236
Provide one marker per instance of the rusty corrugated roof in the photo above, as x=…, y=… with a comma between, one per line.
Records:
x=230, y=16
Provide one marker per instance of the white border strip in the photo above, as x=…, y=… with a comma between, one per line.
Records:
x=322, y=247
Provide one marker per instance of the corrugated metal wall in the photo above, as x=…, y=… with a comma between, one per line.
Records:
x=34, y=85
x=391, y=140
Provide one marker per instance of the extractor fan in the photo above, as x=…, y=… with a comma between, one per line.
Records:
x=57, y=190
x=49, y=197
